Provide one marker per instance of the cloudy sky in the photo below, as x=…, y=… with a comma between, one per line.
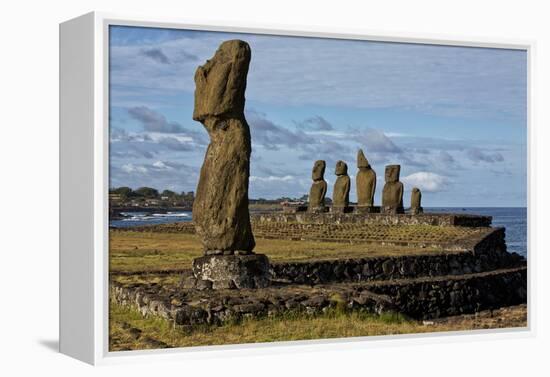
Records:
x=453, y=117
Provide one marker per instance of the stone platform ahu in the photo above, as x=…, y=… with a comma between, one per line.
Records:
x=220, y=210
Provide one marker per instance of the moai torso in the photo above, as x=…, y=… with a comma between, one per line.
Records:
x=392, y=195
x=365, y=181
x=340, y=194
x=416, y=201
x=220, y=209
x=318, y=188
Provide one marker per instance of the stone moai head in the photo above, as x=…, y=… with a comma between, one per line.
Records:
x=221, y=82
x=341, y=168
x=416, y=199
x=318, y=172
x=392, y=173
x=362, y=162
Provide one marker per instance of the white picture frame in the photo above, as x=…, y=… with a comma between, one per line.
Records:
x=84, y=168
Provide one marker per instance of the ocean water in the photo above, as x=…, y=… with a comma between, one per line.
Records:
x=146, y=218
x=513, y=219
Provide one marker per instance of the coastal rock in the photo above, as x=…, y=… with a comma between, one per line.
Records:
x=220, y=209
x=416, y=199
x=340, y=194
x=365, y=181
x=318, y=188
x=392, y=194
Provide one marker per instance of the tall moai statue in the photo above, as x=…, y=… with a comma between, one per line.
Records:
x=392, y=195
x=340, y=193
x=366, y=183
x=220, y=209
x=416, y=201
x=318, y=188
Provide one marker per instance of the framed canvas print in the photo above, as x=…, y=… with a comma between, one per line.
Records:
x=230, y=186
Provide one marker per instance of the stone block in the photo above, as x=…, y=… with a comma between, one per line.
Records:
x=319, y=209
x=367, y=209
x=228, y=271
x=294, y=208
x=336, y=209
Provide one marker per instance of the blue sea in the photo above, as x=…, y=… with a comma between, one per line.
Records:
x=131, y=219
x=513, y=219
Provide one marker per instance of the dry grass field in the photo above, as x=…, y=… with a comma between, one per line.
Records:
x=150, y=251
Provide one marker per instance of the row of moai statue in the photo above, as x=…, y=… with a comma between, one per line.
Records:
x=392, y=194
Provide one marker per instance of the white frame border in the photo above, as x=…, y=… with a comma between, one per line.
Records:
x=102, y=21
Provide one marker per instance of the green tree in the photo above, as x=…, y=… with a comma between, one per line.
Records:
x=147, y=192
x=124, y=192
x=168, y=193
x=189, y=196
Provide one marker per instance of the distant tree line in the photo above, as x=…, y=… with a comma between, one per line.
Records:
x=124, y=194
x=303, y=198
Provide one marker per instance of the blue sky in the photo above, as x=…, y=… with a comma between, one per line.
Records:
x=453, y=117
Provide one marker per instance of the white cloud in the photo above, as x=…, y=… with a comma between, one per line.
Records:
x=375, y=141
x=426, y=181
x=118, y=135
x=477, y=155
x=131, y=168
x=395, y=134
x=161, y=165
x=338, y=134
x=271, y=178
x=297, y=71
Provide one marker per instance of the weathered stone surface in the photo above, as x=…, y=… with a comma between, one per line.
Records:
x=203, y=284
x=372, y=218
x=188, y=282
x=448, y=296
x=365, y=181
x=318, y=188
x=416, y=201
x=392, y=195
x=487, y=255
x=366, y=209
x=220, y=209
x=340, y=193
x=422, y=298
x=233, y=271
x=190, y=315
x=221, y=82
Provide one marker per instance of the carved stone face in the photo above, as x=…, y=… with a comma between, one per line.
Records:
x=341, y=168
x=221, y=82
x=392, y=173
x=318, y=171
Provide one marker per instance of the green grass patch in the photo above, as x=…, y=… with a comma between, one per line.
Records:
x=129, y=330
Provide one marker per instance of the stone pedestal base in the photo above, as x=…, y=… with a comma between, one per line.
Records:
x=320, y=209
x=233, y=271
x=294, y=209
x=341, y=209
x=367, y=209
x=390, y=210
